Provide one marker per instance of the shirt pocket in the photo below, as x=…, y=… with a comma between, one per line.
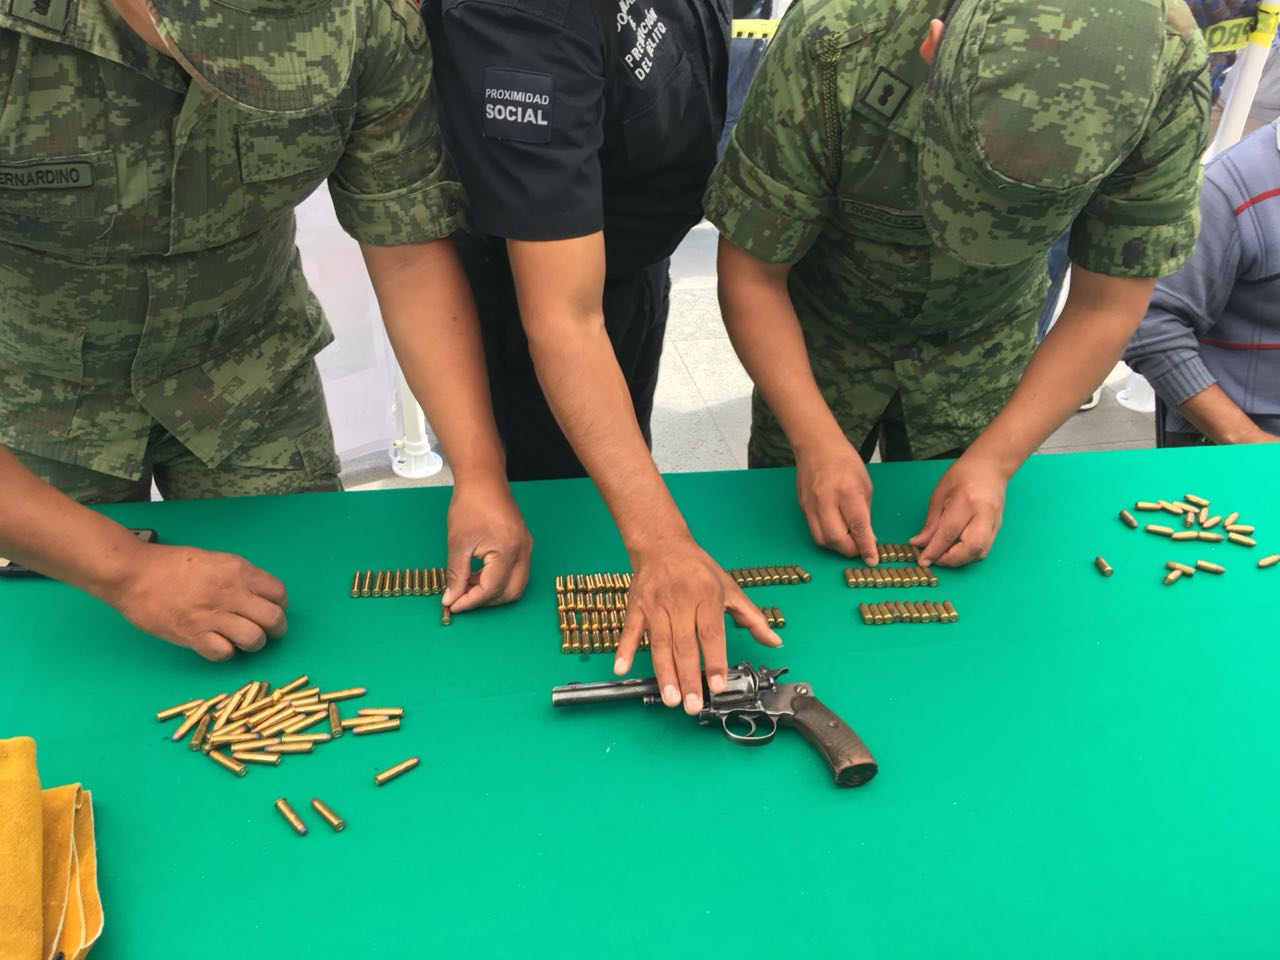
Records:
x=282, y=160
x=670, y=124
x=64, y=205
x=42, y=370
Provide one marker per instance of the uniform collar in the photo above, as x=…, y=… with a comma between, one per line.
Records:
x=95, y=27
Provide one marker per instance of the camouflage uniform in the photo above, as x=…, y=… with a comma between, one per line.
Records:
x=153, y=312
x=917, y=227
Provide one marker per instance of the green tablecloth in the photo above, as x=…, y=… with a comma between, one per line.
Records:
x=1081, y=767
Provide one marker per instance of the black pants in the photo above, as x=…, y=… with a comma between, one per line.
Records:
x=635, y=316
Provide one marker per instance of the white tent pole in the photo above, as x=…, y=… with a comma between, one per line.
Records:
x=411, y=455
x=1248, y=71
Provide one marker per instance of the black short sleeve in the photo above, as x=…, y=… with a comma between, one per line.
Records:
x=522, y=95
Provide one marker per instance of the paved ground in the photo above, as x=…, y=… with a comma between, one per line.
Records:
x=702, y=412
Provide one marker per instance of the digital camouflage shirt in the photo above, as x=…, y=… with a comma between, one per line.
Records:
x=821, y=172
x=147, y=262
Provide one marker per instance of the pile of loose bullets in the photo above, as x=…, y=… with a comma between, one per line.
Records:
x=256, y=724
x=592, y=607
x=1197, y=523
x=908, y=611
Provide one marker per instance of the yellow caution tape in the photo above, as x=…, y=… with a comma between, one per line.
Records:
x=1264, y=32
x=755, y=29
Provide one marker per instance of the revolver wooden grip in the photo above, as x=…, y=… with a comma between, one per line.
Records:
x=848, y=757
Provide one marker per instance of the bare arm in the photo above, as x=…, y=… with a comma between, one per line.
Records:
x=678, y=593
x=832, y=483
x=431, y=321
x=1100, y=315
x=1220, y=419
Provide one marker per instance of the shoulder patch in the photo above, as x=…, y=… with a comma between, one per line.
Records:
x=50, y=14
x=886, y=94
x=517, y=105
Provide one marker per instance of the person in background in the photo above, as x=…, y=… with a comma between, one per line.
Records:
x=1210, y=342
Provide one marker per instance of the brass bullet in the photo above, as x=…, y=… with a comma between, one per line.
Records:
x=1104, y=568
x=1231, y=518
x=395, y=583
x=252, y=756
x=1241, y=539
x=291, y=815
x=559, y=584
x=914, y=611
x=935, y=614
x=229, y=706
x=848, y=576
x=446, y=615
x=355, y=584
x=380, y=712
x=865, y=612
x=1269, y=561
x=330, y=817
x=306, y=738
x=1175, y=565
x=565, y=643
x=389, y=774
x=1209, y=536
x=197, y=738
x=297, y=683
x=378, y=580
x=1185, y=507
x=877, y=614
x=1146, y=505
x=1198, y=501
x=952, y=616
x=1240, y=528
x=1169, y=507
x=767, y=612
x=1158, y=529
x=335, y=721
x=1204, y=515
x=214, y=739
x=170, y=712
x=1173, y=576
x=417, y=582
x=1188, y=518
x=267, y=714
x=345, y=694
x=279, y=725
x=310, y=693
x=802, y=573
x=381, y=726
x=193, y=717
x=222, y=760
x=293, y=746
x=1208, y=567
x=1186, y=535
x=896, y=577
x=299, y=724
x=1211, y=523
x=366, y=583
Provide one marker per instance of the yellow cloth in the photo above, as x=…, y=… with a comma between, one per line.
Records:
x=48, y=863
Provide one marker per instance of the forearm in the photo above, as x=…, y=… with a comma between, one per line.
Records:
x=767, y=337
x=49, y=532
x=1219, y=418
x=430, y=319
x=1073, y=360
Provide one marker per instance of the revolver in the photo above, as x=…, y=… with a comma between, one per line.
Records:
x=749, y=712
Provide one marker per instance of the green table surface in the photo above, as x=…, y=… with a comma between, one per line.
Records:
x=1080, y=767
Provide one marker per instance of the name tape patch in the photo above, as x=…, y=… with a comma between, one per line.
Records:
x=517, y=105
x=66, y=175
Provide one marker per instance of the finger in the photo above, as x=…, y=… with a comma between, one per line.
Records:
x=664, y=665
x=633, y=627
x=746, y=614
x=458, y=574
x=687, y=658
x=489, y=585
x=715, y=658
x=213, y=646
x=265, y=614
x=930, y=526
x=242, y=632
x=857, y=520
x=835, y=533
x=815, y=527
x=518, y=580
x=950, y=526
x=268, y=587
x=974, y=544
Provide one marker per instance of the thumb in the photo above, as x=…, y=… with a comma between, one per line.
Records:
x=458, y=575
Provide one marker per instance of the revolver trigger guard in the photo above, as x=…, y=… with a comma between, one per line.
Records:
x=756, y=735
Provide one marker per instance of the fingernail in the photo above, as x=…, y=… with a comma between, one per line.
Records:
x=692, y=703
x=716, y=683
x=620, y=666
x=670, y=696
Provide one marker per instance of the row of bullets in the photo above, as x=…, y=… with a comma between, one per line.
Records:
x=898, y=552
x=889, y=576
x=1179, y=570
x=409, y=582
x=258, y=725
x=769, y=576
x=600, y=631
x=908, y=611
x=774, y=617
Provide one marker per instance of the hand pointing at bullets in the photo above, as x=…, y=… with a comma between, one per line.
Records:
x=485, y=522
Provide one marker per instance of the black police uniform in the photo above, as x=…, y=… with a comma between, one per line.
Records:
x=560, y=125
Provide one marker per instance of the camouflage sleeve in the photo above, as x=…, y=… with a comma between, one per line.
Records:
x=771, y=193
x=390, y=185
x=1142, y=222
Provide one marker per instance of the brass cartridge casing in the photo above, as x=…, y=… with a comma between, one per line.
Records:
x=849, y=576
x=1147, y=505
x=780, y=620
x=1169, y=507
x=291, y=747
x=395, y=583
x=291, y=815
x=1240, y=528
x=202, y=728
x=169, y=712
x=1186, y=535
x=1159, y=529
x=297, y=683
x=1173, y=576
x=1203, y=516
x=222, y=760
x=1209, y=536
x=446, y=615
x=1211, y=523
x=306, y=738
x=389, y=774
x=1104, y=568
x=252, y=756
x=350, y=723
x=380, y=712
x=1188, y=518
x=335, y=721
x=1269, y=561
x=1208, y=567
x=193, y=717
x=366, y=583
x=379, y=579
x=309, y=719
x=865, y=612
x=951, y=611
x=345, y=694
x=1231, y=518
x=355, y=584
x=1185, y=570
x=1196, y=501
x=1241, y=539
x=330, y=817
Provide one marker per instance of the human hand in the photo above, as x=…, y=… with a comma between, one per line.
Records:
x=965, y=512
x=485, y=522
x=679, y=595
x=834, y=490
x=215, y=603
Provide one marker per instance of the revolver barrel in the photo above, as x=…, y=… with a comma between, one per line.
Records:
x=571, y=694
